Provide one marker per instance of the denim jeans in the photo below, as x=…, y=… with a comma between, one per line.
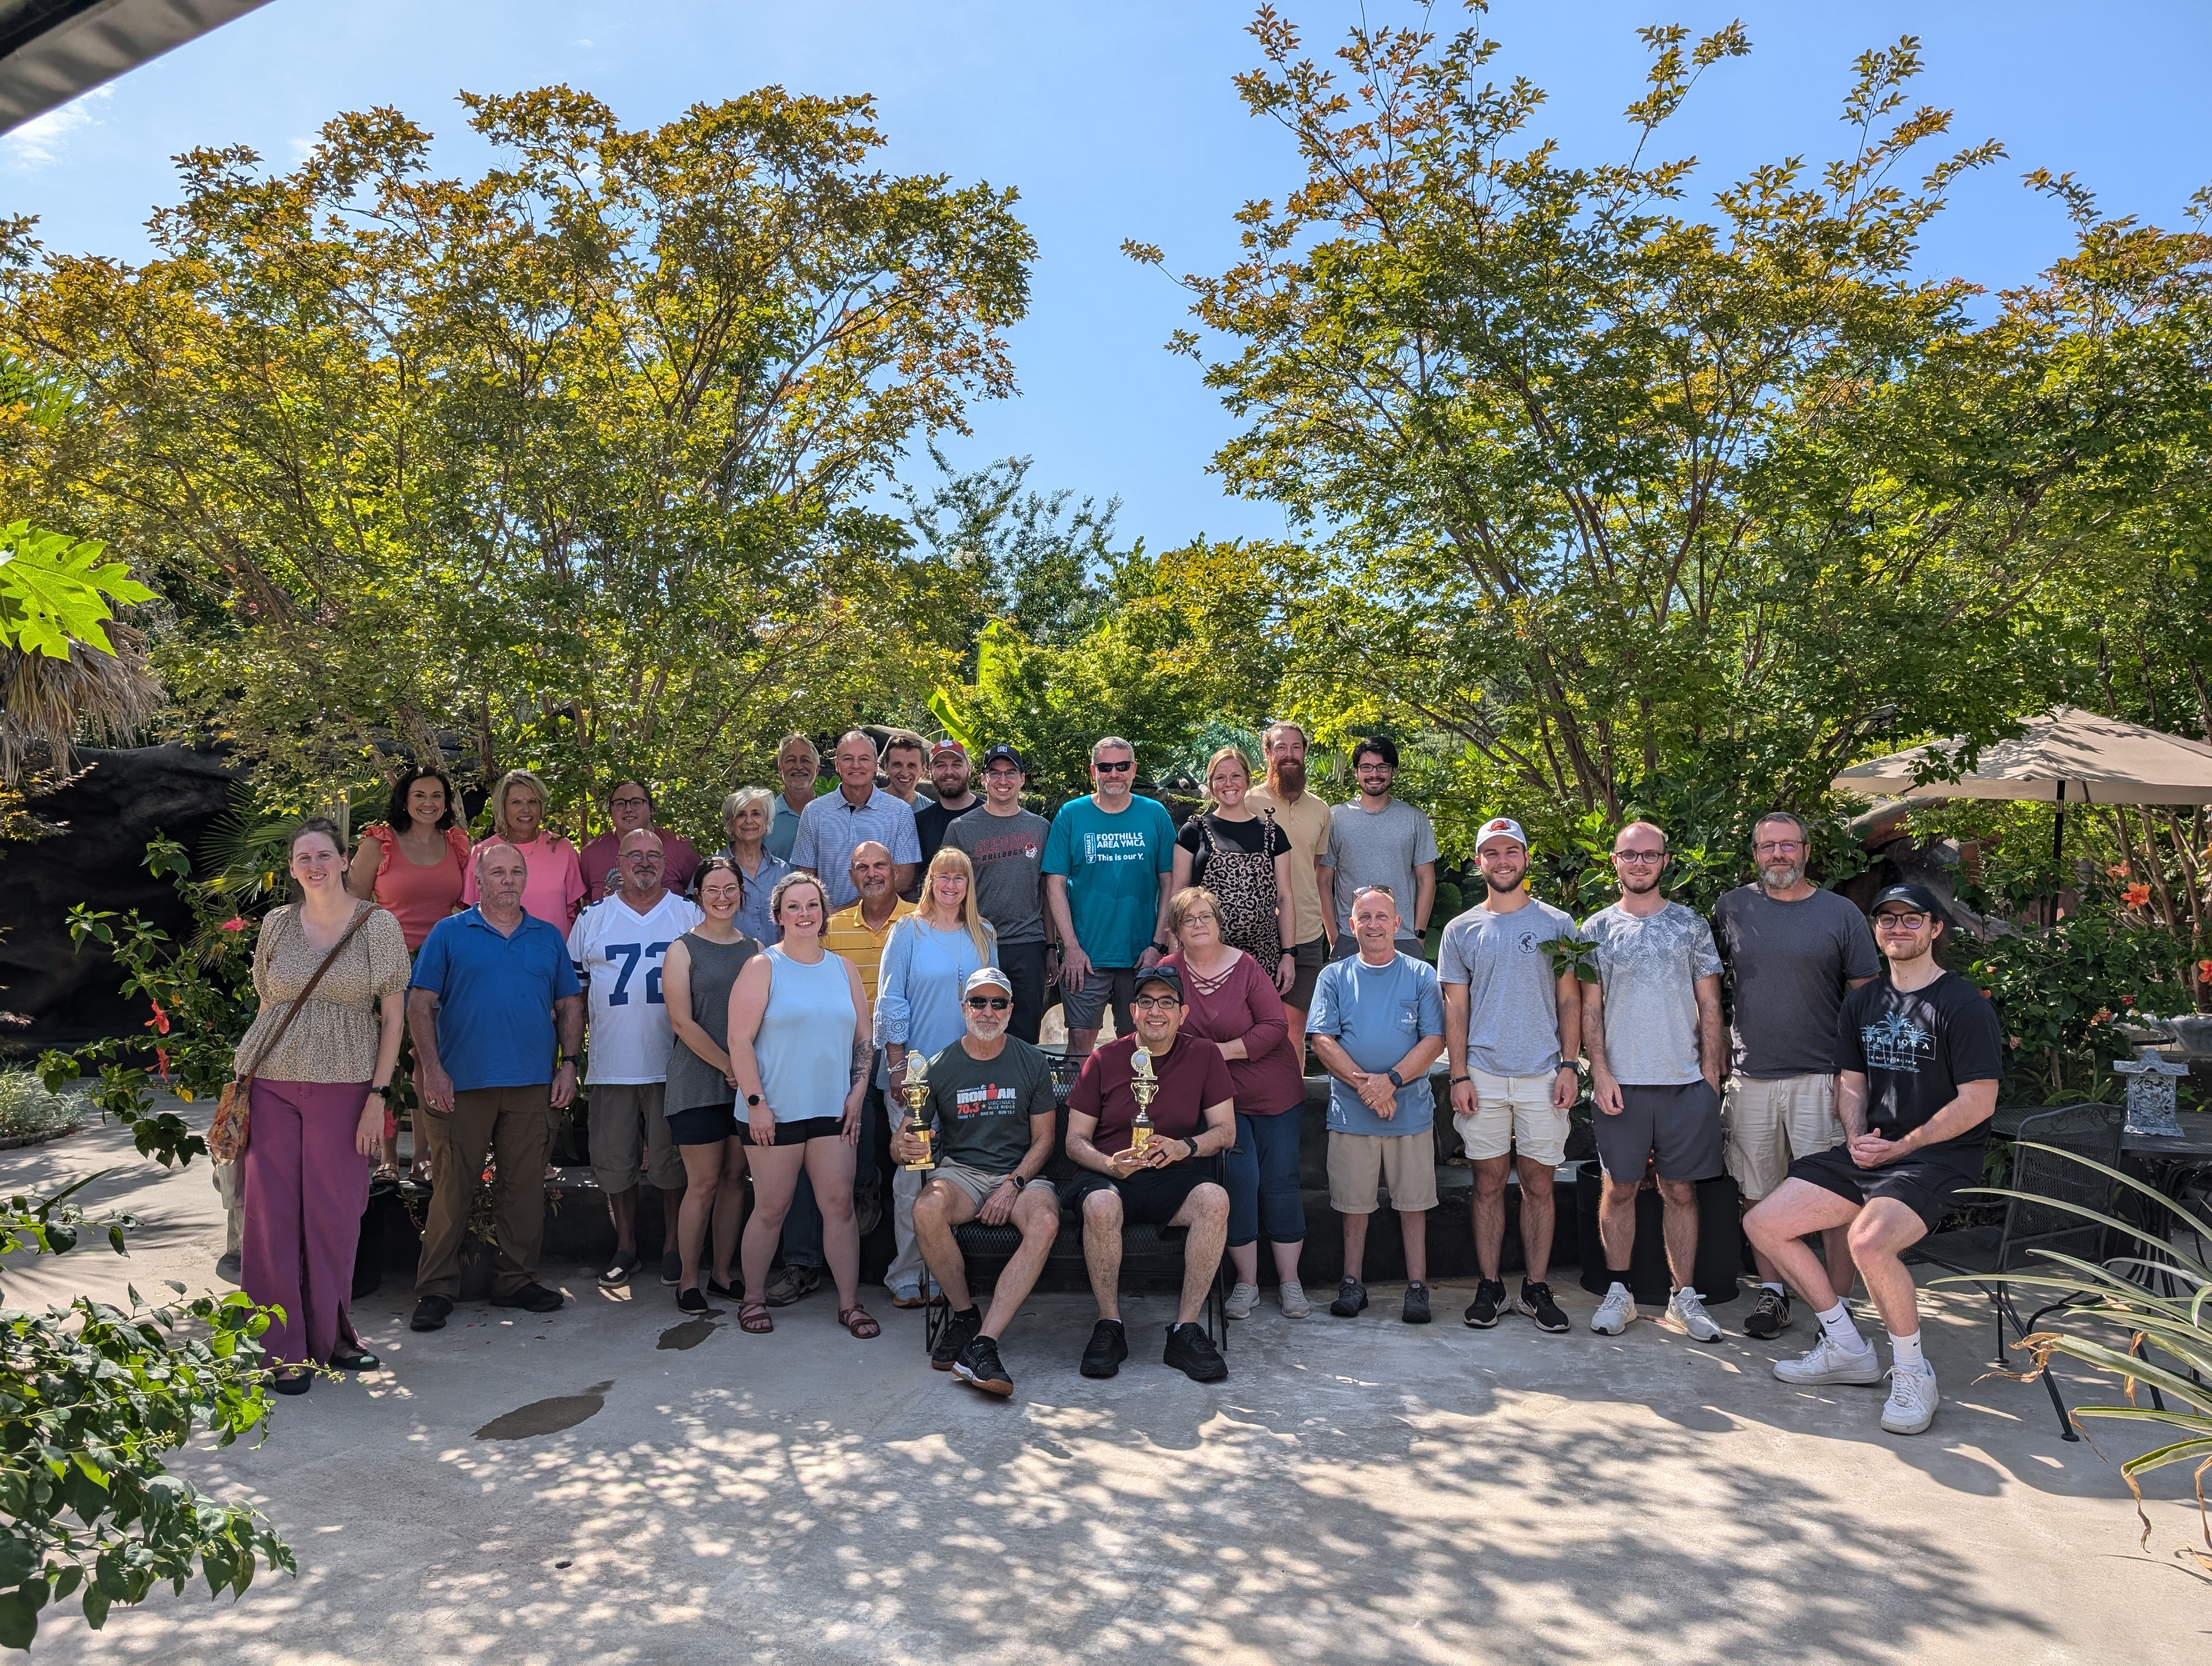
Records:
x=802, y=1227
x=1262, y=1172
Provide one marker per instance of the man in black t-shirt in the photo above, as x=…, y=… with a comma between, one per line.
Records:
x=990, y=1101
x=1919, y=1052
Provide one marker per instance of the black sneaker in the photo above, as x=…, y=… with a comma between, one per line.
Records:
x=1416, y=1309
x=959, y=1330
x=1191, y=1352
x=979, y=1364
x=1536, y=1302
x=533, y=1296
x=1109, y=1348
x=430, y=1313
x=1489, y=1296
x=1770, y=1317
x=1351, y=1297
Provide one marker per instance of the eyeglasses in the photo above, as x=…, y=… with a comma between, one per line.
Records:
x=1002, y=775
x=628, y=804
x=1156, y=1003
x=1196, y=915
x=994, y=1003
x=1115, y=768
x=1776, y=847
x=1901, y=922
x=1639, y=857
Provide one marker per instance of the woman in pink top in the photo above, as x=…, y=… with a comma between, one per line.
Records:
x=1230, y=999
x=555, y=890
x=415, y=861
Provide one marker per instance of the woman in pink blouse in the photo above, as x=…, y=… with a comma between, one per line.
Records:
x=1231, y=1000
x=555, y=890
x=416, y=861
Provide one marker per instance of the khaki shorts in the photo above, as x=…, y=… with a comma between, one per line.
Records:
x=1510, y=1111
x=629, y=1137
x=1769, y=1122
x=1405, y=1163
x=978, y=1184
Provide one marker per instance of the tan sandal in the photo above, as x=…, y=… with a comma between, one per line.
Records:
x=753, y=1317
x=856, y=1319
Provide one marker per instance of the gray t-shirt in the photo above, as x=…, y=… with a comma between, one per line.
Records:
x=983, y=1107
x=1791, y=964
x=1513, y=988
x=1008, y=852
x=1379, y=849
x=1649, y=967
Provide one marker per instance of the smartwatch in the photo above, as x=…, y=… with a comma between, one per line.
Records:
x=1396, y=1080
x=1159, y=945
x=752, y=1099
x=1193, y=1144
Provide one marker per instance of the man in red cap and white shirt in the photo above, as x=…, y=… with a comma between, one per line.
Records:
x=953, y=776
x=1513, y=1023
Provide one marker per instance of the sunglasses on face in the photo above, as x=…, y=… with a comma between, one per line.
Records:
x=992, y=1003
x=1115, y=769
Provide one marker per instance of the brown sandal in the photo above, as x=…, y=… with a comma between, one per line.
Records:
x=753, y=1317
x=856, y=1319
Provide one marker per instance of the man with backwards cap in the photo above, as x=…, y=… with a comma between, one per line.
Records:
x=1919, y=1052
x=1192, y=1116
x=1513, y=1025
x=990, y=1101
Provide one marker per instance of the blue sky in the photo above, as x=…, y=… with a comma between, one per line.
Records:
x=1118, y=120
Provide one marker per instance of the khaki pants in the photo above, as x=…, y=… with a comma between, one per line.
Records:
x=515, y=1125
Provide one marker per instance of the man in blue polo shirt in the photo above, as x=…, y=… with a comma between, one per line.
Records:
x=833, y=826
x=494, y=996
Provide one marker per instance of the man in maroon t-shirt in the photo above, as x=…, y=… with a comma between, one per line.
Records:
x=1192, y=1116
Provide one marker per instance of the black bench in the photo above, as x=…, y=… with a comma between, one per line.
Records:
x=1149, y=1254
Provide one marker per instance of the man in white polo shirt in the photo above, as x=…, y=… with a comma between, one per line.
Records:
x=1513, y=1027
x=617, y=945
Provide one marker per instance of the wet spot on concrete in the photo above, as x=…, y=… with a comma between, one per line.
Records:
x=688, y=1334
x=546, y=1417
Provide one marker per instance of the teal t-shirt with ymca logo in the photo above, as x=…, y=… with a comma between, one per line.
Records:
x=1112, y=864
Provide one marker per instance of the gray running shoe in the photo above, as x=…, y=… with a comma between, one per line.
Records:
x=1293, y=1298
x=1615, y=1313
x=1687, y=1310
x=1242, y=1301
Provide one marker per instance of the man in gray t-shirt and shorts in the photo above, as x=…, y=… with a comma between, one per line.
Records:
x=1793, y=952
x=1651, y=1027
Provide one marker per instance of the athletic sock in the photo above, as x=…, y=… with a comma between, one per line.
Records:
x=1836, y=1324
x=1618, y=1276
x=1769, y=1284
x=1907, y=1351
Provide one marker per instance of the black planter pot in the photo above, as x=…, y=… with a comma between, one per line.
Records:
x=1720, y=1240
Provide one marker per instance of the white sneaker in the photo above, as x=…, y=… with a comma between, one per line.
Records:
x=1687, y=1310
x=1828, y=1363
x=1615, y=1313
x=1242, y=1300
x=1912, y=1399
x=1295, y=1304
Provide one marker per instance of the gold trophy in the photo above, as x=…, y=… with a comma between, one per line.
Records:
x=1143, y=1085
x=915, y=1090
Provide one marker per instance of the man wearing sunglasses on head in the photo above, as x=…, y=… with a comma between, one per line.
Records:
x=1919, y=1052
x=990, y=1103
x=1107, y=871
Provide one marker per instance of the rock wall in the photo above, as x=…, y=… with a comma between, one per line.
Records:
x=122, y=800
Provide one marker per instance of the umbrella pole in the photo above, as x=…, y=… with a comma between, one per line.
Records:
x=2057, y=853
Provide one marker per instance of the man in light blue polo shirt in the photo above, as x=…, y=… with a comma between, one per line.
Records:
x=493, y=1000
x=797, y=765
x=1377, y=1024
x=834, y=825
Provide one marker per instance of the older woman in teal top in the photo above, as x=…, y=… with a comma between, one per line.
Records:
x=925, y=963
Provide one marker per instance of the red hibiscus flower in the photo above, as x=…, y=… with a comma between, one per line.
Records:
x=235, y=923
x=2136, y=895
x=159, y=1024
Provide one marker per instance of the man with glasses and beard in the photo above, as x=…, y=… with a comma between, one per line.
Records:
x=1651, y=1026
x=1793, y=953
x=1305, y=819
x=990, y=1103
x=1107, y=864
x=1919, y=1052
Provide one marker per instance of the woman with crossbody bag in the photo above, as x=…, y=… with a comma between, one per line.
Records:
x=331, y=973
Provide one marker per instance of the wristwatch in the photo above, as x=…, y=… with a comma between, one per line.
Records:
x=1159, y=945
x=1193, y=1144
x=752, y=1099
x=1456, y=1081
x=1396, y=1080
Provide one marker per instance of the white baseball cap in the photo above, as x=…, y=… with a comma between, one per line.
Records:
x=1501, y=827
x=987, y=977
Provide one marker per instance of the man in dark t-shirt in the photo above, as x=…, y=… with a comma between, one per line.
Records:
x=1192, y=1116
x=1919, y=1052
x=990, y=1103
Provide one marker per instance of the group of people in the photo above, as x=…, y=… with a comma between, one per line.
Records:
x=749, y=1022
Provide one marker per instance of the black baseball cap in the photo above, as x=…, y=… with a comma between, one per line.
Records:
x=1002, y=752
x=1918, y=898
x=1166, y=975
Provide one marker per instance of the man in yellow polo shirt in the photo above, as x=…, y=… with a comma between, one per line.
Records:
x=1305, y=819
x=858, y=934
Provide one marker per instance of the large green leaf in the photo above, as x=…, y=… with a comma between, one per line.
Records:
x=55, y=591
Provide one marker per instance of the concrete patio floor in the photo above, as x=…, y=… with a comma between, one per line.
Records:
x=1357, y=1491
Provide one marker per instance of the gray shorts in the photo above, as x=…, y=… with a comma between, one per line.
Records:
x=1681, y=1126
x=978, y=1184
x=629, y=1135
x=1085, y=1006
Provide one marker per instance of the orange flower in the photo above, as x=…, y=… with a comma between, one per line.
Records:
x=159, y=1024
x=162, y=1059
x=2103, y=1015
x=2136, y=895
x=2204, y=971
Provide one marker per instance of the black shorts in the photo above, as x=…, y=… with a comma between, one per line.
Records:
x=813, y=1127
x=1929, y=1187
x=1150, y=1197
x=706, y=1125
x=1306, y=961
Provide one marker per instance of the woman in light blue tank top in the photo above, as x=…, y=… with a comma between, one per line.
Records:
x=799, y=1048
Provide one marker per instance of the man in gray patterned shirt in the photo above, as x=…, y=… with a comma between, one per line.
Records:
x=1651, y=1026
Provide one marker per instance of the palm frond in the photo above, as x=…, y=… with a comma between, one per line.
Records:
x=47, y=704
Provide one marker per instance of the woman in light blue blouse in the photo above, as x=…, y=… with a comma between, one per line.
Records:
x=746, y=814
x=925, y=963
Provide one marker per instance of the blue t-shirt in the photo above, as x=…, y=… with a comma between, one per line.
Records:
x=1112, y=864
x=1377, y=1013
x=496, y=998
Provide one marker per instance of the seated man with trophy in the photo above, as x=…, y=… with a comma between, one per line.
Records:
x=1147, y=1107
x=979, y=1126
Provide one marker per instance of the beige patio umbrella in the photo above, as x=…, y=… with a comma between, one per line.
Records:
x=2065, y=756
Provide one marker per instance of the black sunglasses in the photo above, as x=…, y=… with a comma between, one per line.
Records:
x=996, y=1003
x=1115, y=768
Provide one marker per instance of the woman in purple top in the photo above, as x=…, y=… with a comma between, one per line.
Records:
x=1231, y=1000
